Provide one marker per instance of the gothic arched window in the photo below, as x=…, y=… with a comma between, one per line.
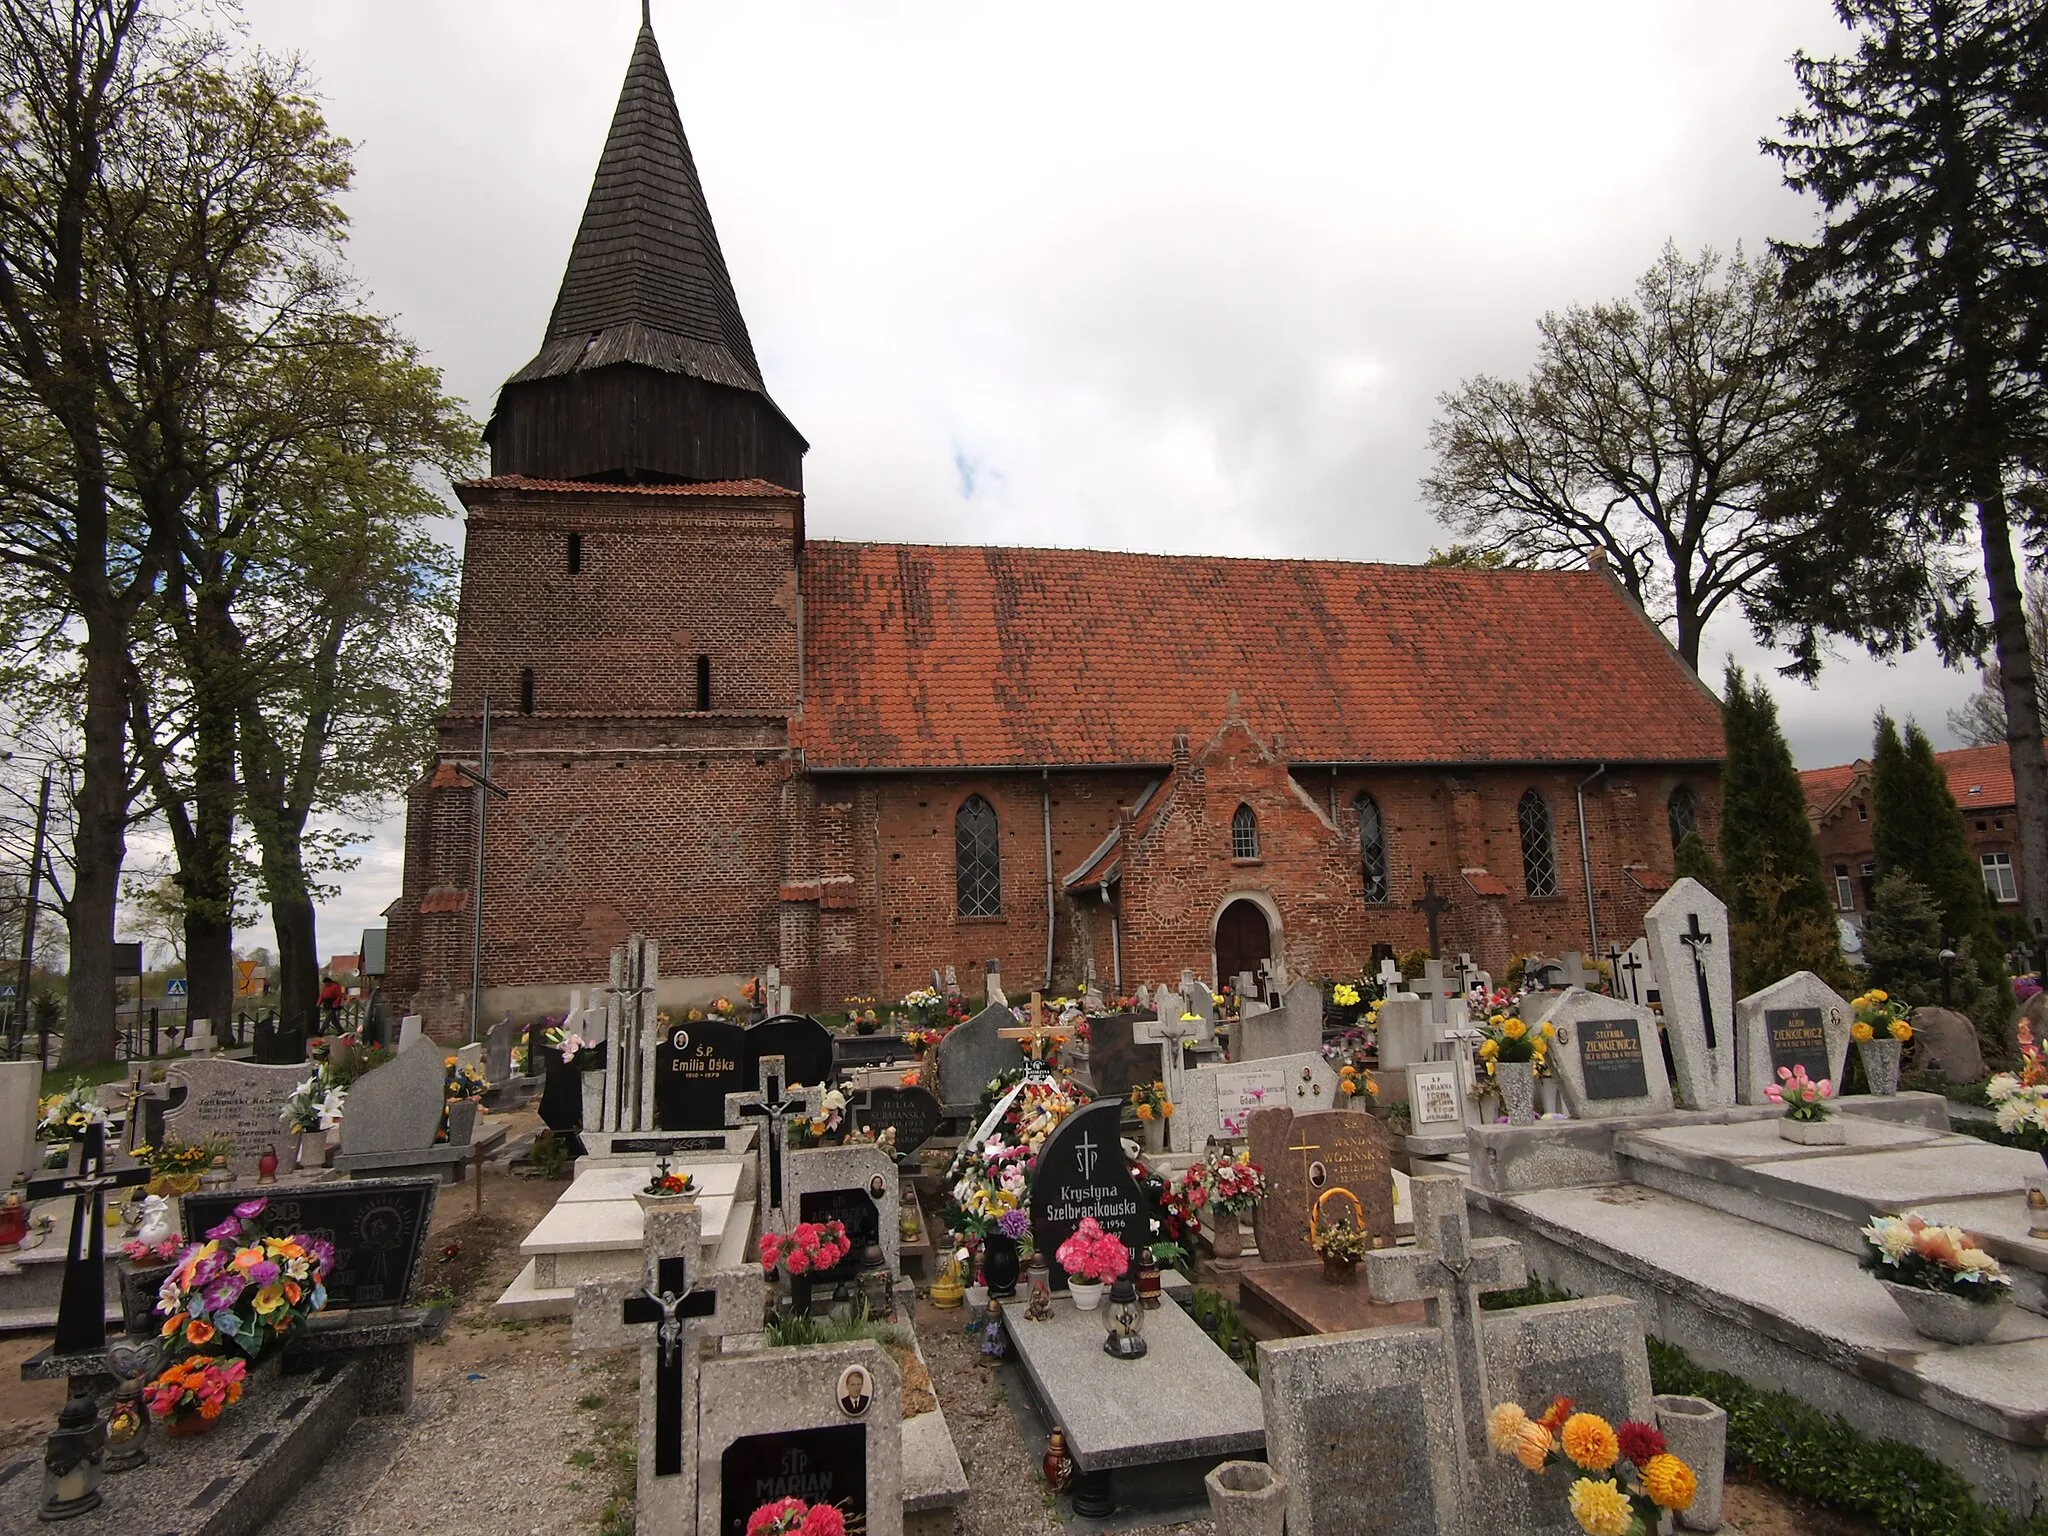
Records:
x=1539, y=853
x=978, y=859
x=1372, y=847
x=1683, y=812
x=1244, y=834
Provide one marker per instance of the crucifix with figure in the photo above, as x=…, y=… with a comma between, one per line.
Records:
x=772, y=1104
x=1448, y=1270
x=1432, y=907
x=629, y=1085
x=82, y=1303
x=1037, y=1040
x=1698, y=941
x=669, y=1301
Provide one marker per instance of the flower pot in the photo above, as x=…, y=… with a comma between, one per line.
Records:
x=800, y=1294
x=186, y=1425
x=1814, y=1133
x=1226, y=1236
x=1246, y=1498
x=649, y=1202
x=1000, y=1265
x=1548, y=1098
x=1517, y=1081
x=1881, y=1065
x=1340, y=1271
x=1951, y=1319
x=1087, y=1294
x=1696, y=1432
x=1154, y=1133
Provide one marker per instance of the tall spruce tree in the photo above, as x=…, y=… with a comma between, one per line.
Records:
x=1917, y=830
x=1778, y=908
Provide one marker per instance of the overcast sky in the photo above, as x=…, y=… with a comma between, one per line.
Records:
x=1181, y=277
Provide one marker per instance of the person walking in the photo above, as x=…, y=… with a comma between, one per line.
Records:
x=332, y=996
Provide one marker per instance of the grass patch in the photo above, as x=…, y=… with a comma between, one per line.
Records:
x=583, y=1456
x=590, y=1400
x=1535, y=1294
x=802, y=1330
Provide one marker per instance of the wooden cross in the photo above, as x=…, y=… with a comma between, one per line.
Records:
x=668, y=1303
x=82, y=1303
x=1448, y=1270
x=1039, y=1035
x=1431, y=906
x=1697, y=940
x=772, y=1104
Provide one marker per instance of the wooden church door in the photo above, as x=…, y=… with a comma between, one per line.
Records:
x=1243, y=940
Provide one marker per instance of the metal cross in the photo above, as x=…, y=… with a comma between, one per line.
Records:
x=1431, y=906
x=82, y=1303
x=1696, y=939
x=669, y=1303
x=772, y=1104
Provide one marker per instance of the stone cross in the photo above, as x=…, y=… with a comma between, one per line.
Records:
x=1444, y=997
x=1391, y=979
x=1624, y=965
x=1572, y=971
x=629, y=1078
x=669, y=1302
x=772, y=1104
x=1432, y=907
x=1448, y=1270
x=1696, y=940
x=82, y=1303
x=1166, y=1034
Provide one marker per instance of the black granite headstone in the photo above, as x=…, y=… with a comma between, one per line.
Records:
x=695, y=1066
x=561, y=1093
x=1115, y=1059
x=850, y=1051
x=1797, y=1038
x=378, y=1228
x=819, y=1466
x=914, y=1113
x=854, y=1209
x=1082, y=1172
x=1611, y=1057
x=804, y=1045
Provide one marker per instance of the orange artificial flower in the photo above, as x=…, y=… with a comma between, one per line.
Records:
x=198, y=1331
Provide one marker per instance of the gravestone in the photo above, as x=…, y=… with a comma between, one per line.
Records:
x=1798, y=1022
x=1116, y=1058
x=913, y=1113
x=1217, y=1100
x=378, y=1228
x=241, y=1102
x=695, y=1066
x=1688, y=934
x=1607, y=1057
x=1946, y=1044
x=856, y=1184
x=1302, y=1157
x=199, y=1039
x=804, y=1045
x=1403, y=1033
x=498, y=1051
x=823, y=1424
x=410, y=1028
x=1436, y=1098
x=972, y=1053
x=1201, y=1003
x=1359, y=1427
x=19, y=1081
x=396, y=1107
x=1296, y=1026
x=850, y=1053
x=1081, y=1172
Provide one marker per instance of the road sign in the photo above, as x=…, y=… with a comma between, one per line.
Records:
x=175, y=987
x=6, y=989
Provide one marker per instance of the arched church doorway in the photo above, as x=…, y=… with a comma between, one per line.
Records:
x=1244, y=939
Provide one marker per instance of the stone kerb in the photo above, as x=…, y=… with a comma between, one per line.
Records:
x=1800, y=1020
x=1607, y=1057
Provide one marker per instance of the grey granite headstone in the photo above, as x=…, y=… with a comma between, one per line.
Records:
x=396, y=1107
x=1607, y=1057
x=1403, y=1032
x=237, y=1100
x=1362, y=1426
x=857, y=1185
x=498, y=1050
x=1296, y=1026
x=972, y=1053
x=1217, y=1101
x=1688, y=934
x=1800, y=1021
x=19, y=1081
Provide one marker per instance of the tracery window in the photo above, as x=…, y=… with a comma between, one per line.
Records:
x=978, y=859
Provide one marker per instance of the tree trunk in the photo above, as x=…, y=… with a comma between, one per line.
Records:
x=2022, y=708
x=101, y=844
x=291, y=913
x=207, y=874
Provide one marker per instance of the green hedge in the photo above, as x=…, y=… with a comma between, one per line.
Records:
x=1823, y=1458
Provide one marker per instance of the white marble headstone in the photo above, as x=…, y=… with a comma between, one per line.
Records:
x=409, y=1029
x=19, y=1081
x=1798, y=1021
x=1688, y=934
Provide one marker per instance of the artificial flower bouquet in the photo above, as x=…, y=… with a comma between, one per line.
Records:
x=1804, y=1099
x=241, y=1288
x=1174, y=1200
x=1509, y=1037
x=825, y=1125
x=1343, y=1242
x=793, y=1517
x=1879, y=1018
x=575, y=1051
x=1092, y=1255
x=1230, y=1181
x=926, y=1005
x=464, y=1081
x=1344, y=995
x=65, y=1116
x=1921, y=1256
x=198, y=1388
x=811, y=1248
x=175, y=1166
x=1630, y=1478
x=1151, y=1101
x=665, y=1184
x=315, y=1105
x=988, y=1182
x=2020, y=1098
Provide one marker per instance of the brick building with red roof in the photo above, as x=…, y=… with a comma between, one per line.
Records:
x=862, y=761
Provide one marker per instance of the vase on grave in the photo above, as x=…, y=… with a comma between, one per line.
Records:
x=1548, y=1097
x=1517, y=1080
x=1949, y=1318
x=1696, y=1432
x=1155, y=1135
x=800, y=1295
x=1087, y=1294
x=1813, y=1133
x=1881, y=1065
x=1246, y=1498
x=1226, y=1235
x=1000, y=1265
x=309, y=1149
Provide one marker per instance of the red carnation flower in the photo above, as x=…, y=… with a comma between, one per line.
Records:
x=1639, y=1441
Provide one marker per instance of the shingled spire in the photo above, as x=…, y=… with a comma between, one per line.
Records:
x=646, y=292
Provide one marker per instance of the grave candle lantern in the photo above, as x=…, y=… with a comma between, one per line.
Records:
x=1126, y=1340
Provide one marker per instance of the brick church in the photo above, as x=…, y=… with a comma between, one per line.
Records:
x=860, y=761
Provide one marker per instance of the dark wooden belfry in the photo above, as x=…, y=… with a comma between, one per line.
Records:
x=647, y=374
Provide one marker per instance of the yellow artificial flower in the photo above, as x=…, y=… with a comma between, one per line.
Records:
x=1489, y=1049
x=1515, y=1028
x=1532, y=1445
x=1879, y=997
x=447, y=1061
x=1166, y=1108
x=1549, y=1030
x=1504, y=1427
x=1144, y=1111
x=1860, y=1032
x=1372, y=1086
x=1601, y=1508
x=1669, y=1482
x=1901, y=1030
x=1590, y=1441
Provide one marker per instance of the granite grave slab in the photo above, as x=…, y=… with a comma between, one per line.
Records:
x=1305, y=1156
x=241, y=1102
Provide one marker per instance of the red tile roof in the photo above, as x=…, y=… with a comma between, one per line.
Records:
x=924, y=656
x=1485, y=882
x=1980, y=778
x=609, y=488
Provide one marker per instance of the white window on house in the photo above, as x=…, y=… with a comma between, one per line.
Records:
x=1998, y=878
x=1845, y=889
